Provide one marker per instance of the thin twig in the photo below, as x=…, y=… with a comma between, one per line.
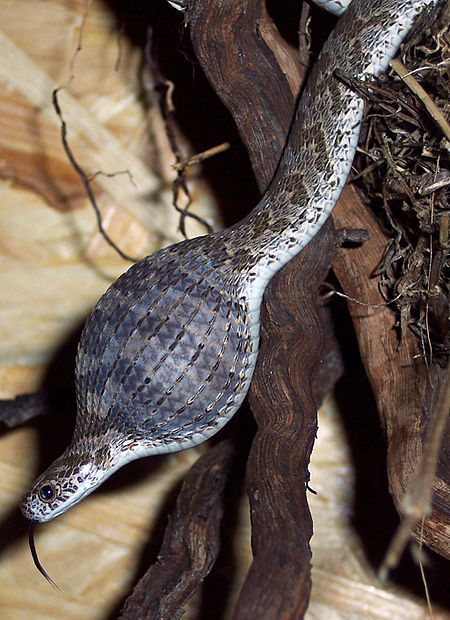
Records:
x=85, y=180
x=199, y=157
x=166, y=89
x=333, y=291
x=79, y=46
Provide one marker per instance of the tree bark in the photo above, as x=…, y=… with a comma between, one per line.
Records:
x=257, y=76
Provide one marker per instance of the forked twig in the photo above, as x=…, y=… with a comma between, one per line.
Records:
x=85, y=180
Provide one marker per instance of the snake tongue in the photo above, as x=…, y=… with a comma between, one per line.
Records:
x=35, y=556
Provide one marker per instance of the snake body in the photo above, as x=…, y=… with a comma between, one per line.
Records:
x=167, y=355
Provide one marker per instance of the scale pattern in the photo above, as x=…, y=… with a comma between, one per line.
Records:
x=166, y=352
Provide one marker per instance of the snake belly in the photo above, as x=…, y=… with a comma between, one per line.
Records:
x=167, y=355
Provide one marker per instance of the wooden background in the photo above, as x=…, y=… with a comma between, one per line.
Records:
x=54, y=266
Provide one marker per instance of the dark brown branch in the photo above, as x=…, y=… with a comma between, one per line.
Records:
x=252, y=70
x=191, y=542
x=24, y=407
x=165, y=88
x=404, y=448
x=170, y=582
x=398, y=375
x=279, y=580
x=85, y=181
x=239, y=49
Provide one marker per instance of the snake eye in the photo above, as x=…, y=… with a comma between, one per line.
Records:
x=46, y=492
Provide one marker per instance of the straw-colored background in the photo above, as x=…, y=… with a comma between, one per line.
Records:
x=54, y=265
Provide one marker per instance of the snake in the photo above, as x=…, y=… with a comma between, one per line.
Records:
x=167, y=355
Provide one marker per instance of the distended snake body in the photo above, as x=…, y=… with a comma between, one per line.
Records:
x=167, y=355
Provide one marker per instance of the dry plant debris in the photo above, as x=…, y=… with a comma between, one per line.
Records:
x=404, y=167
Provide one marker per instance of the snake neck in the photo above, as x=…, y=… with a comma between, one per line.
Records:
x=321, y=144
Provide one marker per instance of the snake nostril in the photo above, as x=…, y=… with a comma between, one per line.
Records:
x=46, y=492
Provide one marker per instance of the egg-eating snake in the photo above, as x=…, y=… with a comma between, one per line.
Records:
x=167, y=355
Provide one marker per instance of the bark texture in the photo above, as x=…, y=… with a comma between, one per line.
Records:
x=257, y=76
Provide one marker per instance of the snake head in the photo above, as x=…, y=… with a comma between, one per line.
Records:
x=72, y=476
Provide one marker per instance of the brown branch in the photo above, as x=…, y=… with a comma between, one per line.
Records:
x=278, y=583
x=191, y=542
x=239, y=49
x=170, y=582
x=399, y=378
x=407, y=391
x=24, y=407
x=86, y=181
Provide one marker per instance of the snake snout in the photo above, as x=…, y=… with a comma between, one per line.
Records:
x=63, y=484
